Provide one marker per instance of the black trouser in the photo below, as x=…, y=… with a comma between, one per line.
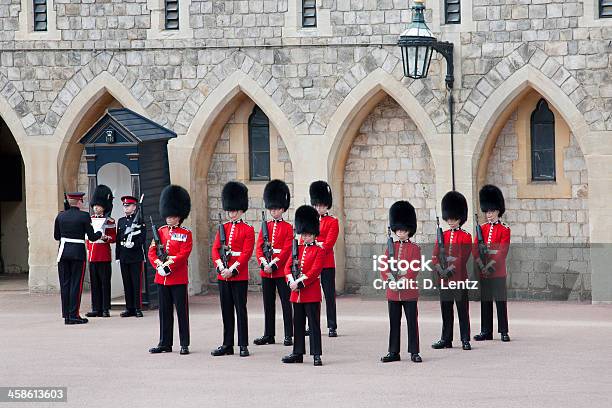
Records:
x=269, y=287
x=100, y=279
x=395, y=325
x=313, y=312
x=170, y=297
x=71, y=275
x=233, y=296
x=493, y=289
x=328, y=282
x=131, y=273
x=461, y=299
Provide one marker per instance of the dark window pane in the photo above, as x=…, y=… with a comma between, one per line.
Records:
x=309, y=13
x=172, y=15
x=542, y=143
x=259, y=145
x=605, y=8
x=452, y=11
x=40, y=15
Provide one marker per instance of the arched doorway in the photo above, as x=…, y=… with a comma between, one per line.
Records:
x=13, y=225
x=546, y=201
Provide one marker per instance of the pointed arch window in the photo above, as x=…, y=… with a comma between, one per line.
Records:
x=259, y=145
x=542, y=143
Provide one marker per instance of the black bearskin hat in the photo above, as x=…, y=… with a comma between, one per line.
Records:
x=402, y=216
x=102, y=196
x=235, y=196
x=174, y=201
x=276, y=195
x=454, y=206
x=491, y=198
x=306, y=220
x=320, y=193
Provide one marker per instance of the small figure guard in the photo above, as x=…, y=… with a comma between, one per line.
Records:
x=129, y=252
x=321, y=199
x=231, y=258
x=303, y=276
x=273, y=250
x=403, y=222
x=496, y=236
x=174, y=243
x=71, y=226
x=99, y=252
x=452, y=267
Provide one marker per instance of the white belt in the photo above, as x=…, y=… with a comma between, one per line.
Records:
x=276, y=251
x=234, y=253
x=63, y=242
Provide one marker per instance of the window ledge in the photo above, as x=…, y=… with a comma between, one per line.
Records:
x=590, y=15
x=158, y=30
x=293, y=22
x=26, y=24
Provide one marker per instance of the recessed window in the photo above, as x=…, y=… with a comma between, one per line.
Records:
x=542, y=143
x=259, y=145
x=40, y=15
x=172, y=14
x=605, y=8
x=452, y=11
x=309, y=13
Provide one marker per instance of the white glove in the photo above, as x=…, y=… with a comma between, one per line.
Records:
x=128, y=245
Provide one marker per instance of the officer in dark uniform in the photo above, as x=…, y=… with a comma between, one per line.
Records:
x=71, y=226
x=130, y=254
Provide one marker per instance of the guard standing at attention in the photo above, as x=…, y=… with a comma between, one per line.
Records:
x=71, y=226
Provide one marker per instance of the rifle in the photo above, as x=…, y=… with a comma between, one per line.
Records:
x=162, y=255
x=224, y=248
x=441, y=249
x=267, y=247
x=134, y=228
x=391, y=250
x=66, y=203
x=483, y=250
x=295, y=263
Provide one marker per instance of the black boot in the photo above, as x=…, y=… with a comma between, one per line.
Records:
x=288, y=341
x=466, y=345
x=505, y=337
x=333, y=333
x=93, y=313
x=184, y=350
x=260, y=341
x=244, y=351
x=223, y=351
x=138, y=313
x=391, y=357
x=160, y=349
x=127, y=313
x=106, y=313
x=317, y=361
x=79, y=320
x=483, y=336
x=440, y=344
x=293, y=358
x=416, y=358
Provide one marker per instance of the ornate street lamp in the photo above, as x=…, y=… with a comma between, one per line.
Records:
x=417, y=44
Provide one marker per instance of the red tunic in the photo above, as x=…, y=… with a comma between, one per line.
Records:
x=240, y=240
x=311, y=264
x=328, y=234
x=407, y=251
x=457, y=244
x=497, y=238
x=178, y=242
x=280, y=234
x=100, y=251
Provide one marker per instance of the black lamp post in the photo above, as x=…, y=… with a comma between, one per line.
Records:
x=417, y=44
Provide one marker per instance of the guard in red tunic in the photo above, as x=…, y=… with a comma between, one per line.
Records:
x=321, y=199
x=402, y=286
x=172, y=277
x=303, y=276
x=99, y=252
x=452, y=267
x=231, y=259
x=496, y=235
x=273, y=250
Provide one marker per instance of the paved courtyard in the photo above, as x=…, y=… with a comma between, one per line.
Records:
x=560, y=356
